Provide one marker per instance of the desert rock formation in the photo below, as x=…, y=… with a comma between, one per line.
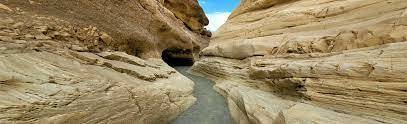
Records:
x=312, y=61
x=82, y=87
x=144, y=27
x=64, y=61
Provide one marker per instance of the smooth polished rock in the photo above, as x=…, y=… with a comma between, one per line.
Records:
x=329, y=61
x=44, y=87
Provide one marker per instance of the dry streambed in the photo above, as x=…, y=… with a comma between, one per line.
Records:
x=210, y=107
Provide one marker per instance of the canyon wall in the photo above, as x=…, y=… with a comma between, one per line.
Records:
x=142, y=27
x=311, y=61
x=87, y=61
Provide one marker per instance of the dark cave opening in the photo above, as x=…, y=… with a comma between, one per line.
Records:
x=178, y=57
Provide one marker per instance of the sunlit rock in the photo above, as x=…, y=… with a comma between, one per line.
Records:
x=307, y=61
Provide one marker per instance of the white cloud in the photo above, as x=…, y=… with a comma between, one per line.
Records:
x=202, y=2
x=216, y=20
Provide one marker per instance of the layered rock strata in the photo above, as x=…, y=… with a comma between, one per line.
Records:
x=81, y=87
x=308, y=61
x=75, y=61
x=143, y=27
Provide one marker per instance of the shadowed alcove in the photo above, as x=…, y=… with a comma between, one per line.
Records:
x=178, y=57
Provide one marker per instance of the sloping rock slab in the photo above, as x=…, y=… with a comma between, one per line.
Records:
x=46, y=88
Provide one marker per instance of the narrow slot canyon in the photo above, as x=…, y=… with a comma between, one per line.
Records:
x=203, y=61
x=210, y=107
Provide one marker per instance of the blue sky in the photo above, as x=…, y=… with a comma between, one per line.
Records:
x=218, y=11
x=212, y=6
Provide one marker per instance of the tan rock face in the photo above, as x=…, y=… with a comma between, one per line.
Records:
x=312, y=61
x=144, y=28
x=65, y=62
x=43, y=87
x=189, y=12
x=306, y=26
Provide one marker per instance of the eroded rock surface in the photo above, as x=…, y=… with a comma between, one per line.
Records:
x=306, y=26
x=94, y=61
x=312, y=61
x=143, y=28
x=43, y=87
